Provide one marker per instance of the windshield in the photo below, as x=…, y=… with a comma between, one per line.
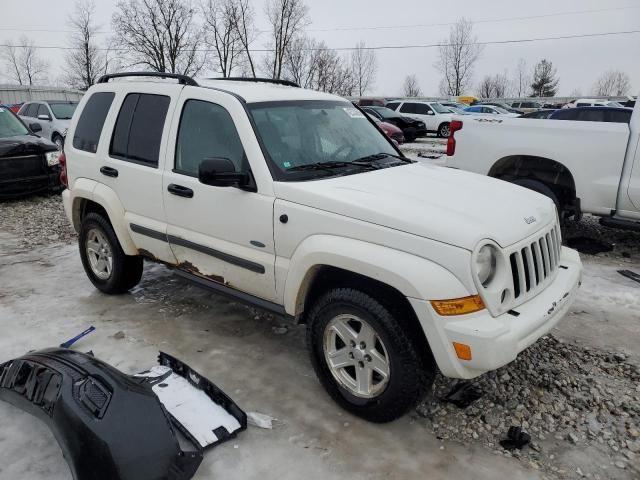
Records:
x=299, y=133
x=385, y=112
x=457, y=110
x=439, y=108
x=10, y=125
x=500, y=109
x=63, y=111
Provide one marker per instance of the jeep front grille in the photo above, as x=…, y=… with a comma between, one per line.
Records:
x=535, y=263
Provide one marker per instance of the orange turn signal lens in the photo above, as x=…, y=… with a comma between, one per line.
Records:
x=463, y=351
x=458, y=306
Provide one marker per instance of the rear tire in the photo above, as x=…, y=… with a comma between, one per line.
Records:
x=390, y=347
x=443, y=130
x=106, y=265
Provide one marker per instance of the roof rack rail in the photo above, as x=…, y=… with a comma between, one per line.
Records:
x=182, y=79
x=287, y=83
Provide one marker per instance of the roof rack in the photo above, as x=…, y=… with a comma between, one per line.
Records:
x=182, y=79
x=287, y=83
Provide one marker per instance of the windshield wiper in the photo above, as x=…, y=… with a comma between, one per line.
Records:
x=330, y=166
x=380, y=156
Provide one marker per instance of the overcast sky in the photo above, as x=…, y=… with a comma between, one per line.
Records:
x=342, y=23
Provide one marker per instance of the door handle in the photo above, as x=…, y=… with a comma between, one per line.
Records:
x=180, y=191
x=109, y=172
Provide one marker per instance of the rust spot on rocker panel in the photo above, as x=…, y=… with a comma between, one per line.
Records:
x=186, y=266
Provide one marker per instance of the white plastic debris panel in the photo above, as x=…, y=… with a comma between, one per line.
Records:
x=204, y=412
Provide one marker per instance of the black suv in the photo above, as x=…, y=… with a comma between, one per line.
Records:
x=28, y=163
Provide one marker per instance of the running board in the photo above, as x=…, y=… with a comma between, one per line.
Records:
x=620, y=223
x=234, y=294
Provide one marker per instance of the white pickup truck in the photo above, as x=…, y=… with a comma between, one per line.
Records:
x=590, y=167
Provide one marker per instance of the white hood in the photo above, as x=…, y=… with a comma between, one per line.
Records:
x=452, y=206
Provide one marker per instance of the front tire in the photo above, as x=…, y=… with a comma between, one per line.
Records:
x=364, y=357
x=443, y=130
x=106, y=265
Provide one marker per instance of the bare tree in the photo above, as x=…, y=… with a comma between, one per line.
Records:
x=286, y=20
x=411, y=87
x=159, y=34
x=23, y=63
x=485, y=87
x=522, y=79
x=86, y=62
x=13, y=67
x=301, y=61
x=221, y=34
x=612, y=83
x=494, y=86
x=246, y=31
x=456, y=58
x=576, y=93
x=313, y=65
x=363, y=66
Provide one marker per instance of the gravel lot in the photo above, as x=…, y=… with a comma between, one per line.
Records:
x=580, y=404
x=38, y=220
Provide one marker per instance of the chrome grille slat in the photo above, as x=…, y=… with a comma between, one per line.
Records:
x=521, y=277
x=545, y=256
x=538, y=252
x=532, y=271
x=533, y=263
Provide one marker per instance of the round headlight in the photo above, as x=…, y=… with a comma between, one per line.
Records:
x=486, y=264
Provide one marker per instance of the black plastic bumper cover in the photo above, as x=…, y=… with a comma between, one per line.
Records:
x=110, y=426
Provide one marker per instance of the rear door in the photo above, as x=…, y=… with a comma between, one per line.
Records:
x=223, y=234
x=134, y=159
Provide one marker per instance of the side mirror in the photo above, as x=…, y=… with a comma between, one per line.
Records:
x=35, y=127
x=221, y=172
x=44, y=117
x=429, y=112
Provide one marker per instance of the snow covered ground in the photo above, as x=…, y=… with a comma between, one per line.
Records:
x=429, y=149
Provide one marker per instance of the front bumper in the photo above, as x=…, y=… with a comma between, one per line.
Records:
x=496, y=341
x=23, y=185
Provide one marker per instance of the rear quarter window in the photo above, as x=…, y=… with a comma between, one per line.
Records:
x=91, y=121
x=138, y=130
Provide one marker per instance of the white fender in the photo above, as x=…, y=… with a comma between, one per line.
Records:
x=413, y=276
x=84, y=188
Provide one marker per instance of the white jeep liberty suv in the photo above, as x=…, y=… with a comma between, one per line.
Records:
x=294, y=201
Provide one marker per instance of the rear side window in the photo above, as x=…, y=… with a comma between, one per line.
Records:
x=91, y=121
x=31, y=110
x=138, y=130
x=408, y=108
x=43, y=110
x=393, y=105
x=422, y=109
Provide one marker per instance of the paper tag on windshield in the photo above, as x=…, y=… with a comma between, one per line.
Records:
x=353, y=112
x=1, y=110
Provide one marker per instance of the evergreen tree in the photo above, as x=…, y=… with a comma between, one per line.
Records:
x=545, y=83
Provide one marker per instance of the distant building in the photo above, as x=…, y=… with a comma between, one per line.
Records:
x=10, y=94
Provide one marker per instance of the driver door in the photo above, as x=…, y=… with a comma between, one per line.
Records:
x=223, y=234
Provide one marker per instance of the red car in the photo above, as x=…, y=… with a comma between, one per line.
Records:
x=391, y=131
